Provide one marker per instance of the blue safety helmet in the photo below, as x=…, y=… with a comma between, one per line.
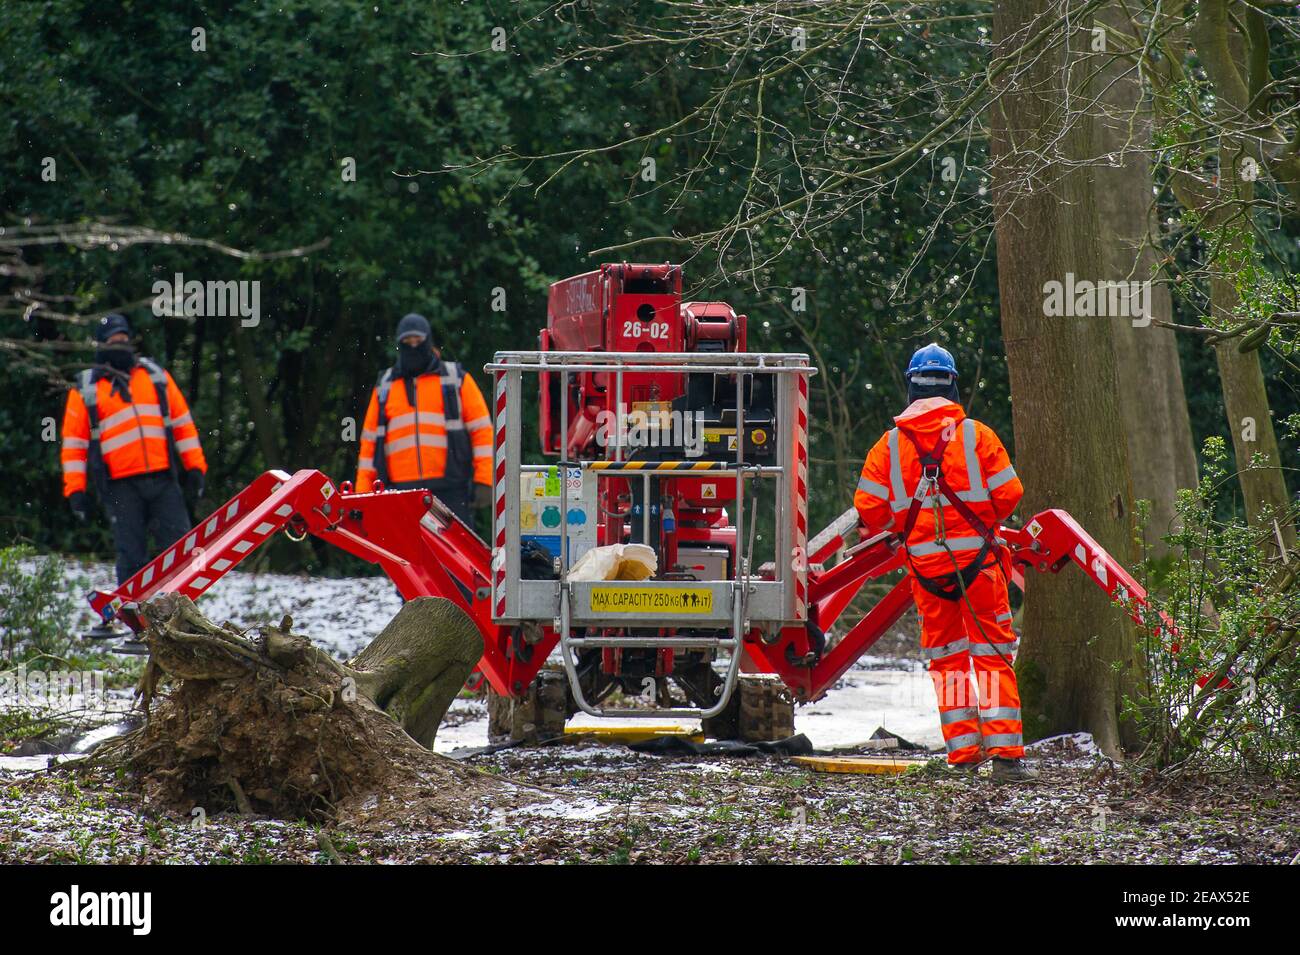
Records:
x=932, y=359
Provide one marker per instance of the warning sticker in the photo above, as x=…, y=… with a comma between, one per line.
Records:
x=1035, y=528
x=651, y=600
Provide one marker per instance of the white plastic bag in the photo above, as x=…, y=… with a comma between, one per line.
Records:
x=616, y=562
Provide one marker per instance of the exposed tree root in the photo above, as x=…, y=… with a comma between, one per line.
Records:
x=272, y=725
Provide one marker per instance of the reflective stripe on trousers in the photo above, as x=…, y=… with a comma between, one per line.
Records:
x=947, y=649
x=981, y=649
x=954, y=716
x=962, y=742
x=956, y=650
x=1000, y=713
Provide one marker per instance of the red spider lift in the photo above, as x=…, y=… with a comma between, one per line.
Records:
x=666, y=428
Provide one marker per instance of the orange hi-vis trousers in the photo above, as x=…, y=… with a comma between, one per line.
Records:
x=983, y=720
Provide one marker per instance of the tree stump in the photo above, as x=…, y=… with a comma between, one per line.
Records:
x=277, y=726
x=418, y=664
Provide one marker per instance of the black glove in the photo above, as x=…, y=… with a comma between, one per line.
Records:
x=80, y=505
x=482, y=495
x=194, y=484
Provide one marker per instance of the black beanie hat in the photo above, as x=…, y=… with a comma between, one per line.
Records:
x=110, y=325
x=414, y=324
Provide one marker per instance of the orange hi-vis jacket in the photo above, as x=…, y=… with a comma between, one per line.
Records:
x=132, y=435
x=413, y=441
x=975, y=465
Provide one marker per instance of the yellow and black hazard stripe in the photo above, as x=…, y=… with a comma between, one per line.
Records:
x=661, y=465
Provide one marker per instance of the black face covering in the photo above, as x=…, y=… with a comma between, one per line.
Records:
x=119, y=357
x=916, y=392
x=414, y=360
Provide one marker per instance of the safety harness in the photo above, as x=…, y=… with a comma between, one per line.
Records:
x=945, y=586
x=457, y=472
x=86, y=384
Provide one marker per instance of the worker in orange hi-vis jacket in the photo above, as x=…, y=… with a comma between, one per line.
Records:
x=428, y=426
x=128, y=434
x=943, y=482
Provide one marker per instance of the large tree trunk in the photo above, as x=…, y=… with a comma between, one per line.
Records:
x=1153, y=406
x=1263, y=486
x=1070, y=450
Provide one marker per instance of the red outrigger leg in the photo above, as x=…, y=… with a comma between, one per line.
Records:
x=1047, y=542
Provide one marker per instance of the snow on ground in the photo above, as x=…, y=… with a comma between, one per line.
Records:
x=464, y=727
x=340, y=614
x=345, y=614
x=1083, y=742
x=867, y=697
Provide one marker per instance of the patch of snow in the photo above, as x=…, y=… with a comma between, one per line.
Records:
x=577, y=809
x=467, y=735
x=869, y=661
x=340, y=614
x=902, y=700
x=13, y=765
x=100, y=734
x=1082, y=741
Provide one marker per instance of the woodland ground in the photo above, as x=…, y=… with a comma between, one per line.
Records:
x=608, y=803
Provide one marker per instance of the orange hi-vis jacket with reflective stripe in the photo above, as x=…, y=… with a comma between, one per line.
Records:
x=413, y=440
x=132, y=435
x=975, y=465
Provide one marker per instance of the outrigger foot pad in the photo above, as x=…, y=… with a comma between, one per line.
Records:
x=132, y=648
x=102, y=631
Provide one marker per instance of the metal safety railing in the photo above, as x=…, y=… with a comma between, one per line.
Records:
x=515, y=599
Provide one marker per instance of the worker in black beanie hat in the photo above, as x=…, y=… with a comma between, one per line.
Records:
x=428, y=426
x=128, y=436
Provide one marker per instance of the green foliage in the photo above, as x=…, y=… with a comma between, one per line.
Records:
x=245, y=144
x=1235, y=604
x=35, y=605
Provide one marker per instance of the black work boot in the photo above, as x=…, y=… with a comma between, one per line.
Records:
x=1012, y=771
